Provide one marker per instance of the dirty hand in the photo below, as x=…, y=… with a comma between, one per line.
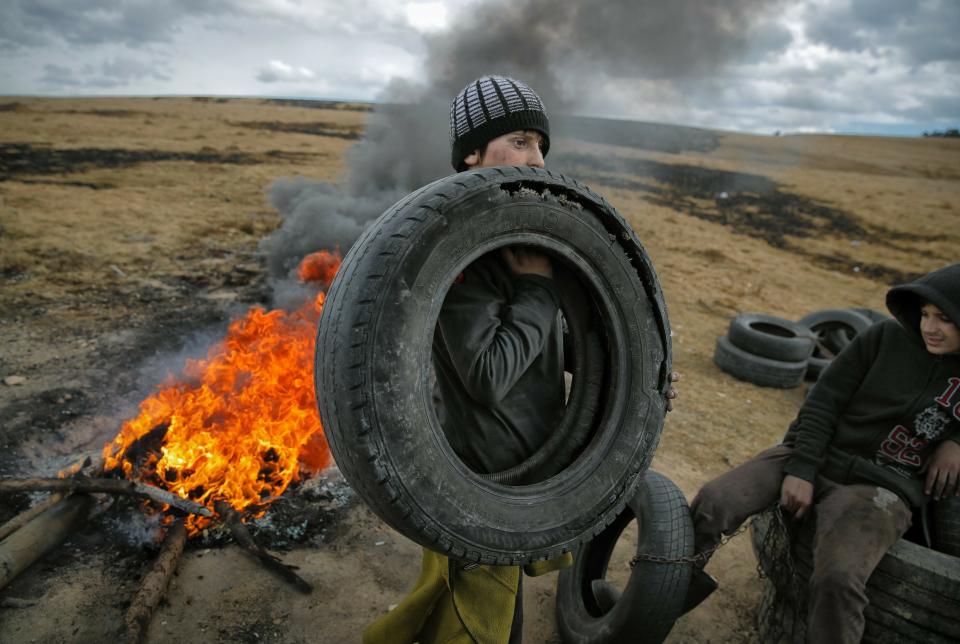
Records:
x=943, y=471
x=672, y=393
x=796, y=495
x=523, y=260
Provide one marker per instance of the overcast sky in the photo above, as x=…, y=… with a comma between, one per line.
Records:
x=872, y=66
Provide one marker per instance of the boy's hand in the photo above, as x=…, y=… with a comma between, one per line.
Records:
x=943, y=471
x=672, y=393
x=796, y=495
x=523, y=260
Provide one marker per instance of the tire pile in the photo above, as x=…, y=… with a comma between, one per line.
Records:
x=775, y=352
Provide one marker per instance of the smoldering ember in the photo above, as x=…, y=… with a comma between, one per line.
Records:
x=164, y=473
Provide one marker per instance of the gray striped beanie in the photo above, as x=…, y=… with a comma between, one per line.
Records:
x=492, y=106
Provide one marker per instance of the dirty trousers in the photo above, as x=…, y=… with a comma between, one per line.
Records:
x=855, y=526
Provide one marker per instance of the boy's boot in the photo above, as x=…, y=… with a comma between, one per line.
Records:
x=701, y=585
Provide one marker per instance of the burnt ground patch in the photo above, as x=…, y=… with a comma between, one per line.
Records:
x=320, y=105
x=658, y=137
x=749, y=204
x=43, y=415
x=314, y=128
x=103, y=112
x=18, y=159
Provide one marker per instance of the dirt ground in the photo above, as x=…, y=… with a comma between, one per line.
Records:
x=128, y=238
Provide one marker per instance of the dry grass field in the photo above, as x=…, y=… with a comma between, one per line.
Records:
x=129, y=229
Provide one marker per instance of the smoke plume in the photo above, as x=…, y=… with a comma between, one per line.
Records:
x=567, y=51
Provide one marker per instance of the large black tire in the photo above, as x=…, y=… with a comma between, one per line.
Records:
x=946, y=525
x=757, y=369
x=913, y=592
x=373, y=365
x=771, y=337
x=832, y=329
x=653, y=598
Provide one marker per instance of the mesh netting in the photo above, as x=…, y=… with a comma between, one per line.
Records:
x=783, y=609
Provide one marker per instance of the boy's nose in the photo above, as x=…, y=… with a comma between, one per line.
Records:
x=536, y=158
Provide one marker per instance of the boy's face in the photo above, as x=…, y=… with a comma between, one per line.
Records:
x=940, y=335
x=521, y=147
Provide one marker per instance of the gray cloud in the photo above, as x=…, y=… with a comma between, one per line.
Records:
x=278, y=71
x=59, y=75
x=111, y=73
x=125, y=70
x=743, y=64
x=93, y=22
x=922, y=31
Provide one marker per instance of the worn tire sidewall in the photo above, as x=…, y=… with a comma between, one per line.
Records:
x=645, y=611
x=427, y=493
x=746, y=333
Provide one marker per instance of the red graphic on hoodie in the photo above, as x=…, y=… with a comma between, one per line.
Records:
x=946, y=398
x=901, y=447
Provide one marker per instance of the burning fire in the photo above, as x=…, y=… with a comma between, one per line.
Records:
x=243, y=423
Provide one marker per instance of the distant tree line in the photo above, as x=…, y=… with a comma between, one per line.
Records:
x=950, y=133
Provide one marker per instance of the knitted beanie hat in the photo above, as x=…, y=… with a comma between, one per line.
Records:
x=492, y=106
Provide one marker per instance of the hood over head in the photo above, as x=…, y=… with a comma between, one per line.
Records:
x=940, y=288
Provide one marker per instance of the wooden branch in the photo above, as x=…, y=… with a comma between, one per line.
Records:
x=27, y=515
x=244, y=539
x=105, y=486
x=15, y=602
x=41, y=535
x=153, y=588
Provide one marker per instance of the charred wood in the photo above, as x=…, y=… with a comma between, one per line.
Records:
x=16, y=602
x=41, y=535
x=153, y=588
x=244, y=539
x=27, y=515
x=104, y=486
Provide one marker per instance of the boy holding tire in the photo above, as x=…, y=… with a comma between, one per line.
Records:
x=878, y=435
x=498, y=355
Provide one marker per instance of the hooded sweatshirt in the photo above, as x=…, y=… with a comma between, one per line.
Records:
x=880, y=409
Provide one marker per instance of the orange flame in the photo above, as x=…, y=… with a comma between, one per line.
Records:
x=244, y=423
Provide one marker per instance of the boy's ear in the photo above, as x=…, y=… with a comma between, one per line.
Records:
x=472, y=159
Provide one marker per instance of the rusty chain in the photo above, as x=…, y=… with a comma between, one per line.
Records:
x=698, y=557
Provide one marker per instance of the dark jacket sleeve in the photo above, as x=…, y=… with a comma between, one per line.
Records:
x=493, y=335
x=816, y=422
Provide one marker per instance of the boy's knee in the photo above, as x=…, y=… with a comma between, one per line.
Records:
x=707, y=504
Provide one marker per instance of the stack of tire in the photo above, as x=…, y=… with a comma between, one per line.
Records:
x=775, y=352
x=765, y=350
x=832, y=330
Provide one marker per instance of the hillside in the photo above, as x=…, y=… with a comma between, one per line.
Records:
x=129, y=231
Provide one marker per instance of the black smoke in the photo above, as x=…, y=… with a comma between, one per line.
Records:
x=564, y=50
